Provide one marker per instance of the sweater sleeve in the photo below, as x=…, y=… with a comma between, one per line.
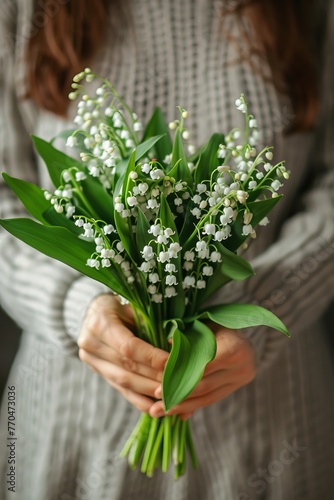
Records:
x=294, y=276
x=43, y=296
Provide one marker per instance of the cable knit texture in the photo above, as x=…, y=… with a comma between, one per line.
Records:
x=272, y=439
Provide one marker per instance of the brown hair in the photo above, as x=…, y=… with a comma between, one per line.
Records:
x=67, y=41
x=285, y=35
x=68, y=37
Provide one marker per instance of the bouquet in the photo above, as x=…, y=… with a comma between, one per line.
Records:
x=159, y=222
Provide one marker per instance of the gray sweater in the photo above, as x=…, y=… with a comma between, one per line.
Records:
x=272, y=439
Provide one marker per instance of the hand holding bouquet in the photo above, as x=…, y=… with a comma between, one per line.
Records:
x=160, y=227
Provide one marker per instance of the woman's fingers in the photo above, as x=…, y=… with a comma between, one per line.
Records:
x=190, y=405
x=204, y=394
x=106, y=353
x=232, y=351
x=142, y=403
x=110, y=304
x=109, y=347
x=104, y=323
x=207, y=384
x=118, y=377
x=185, y=416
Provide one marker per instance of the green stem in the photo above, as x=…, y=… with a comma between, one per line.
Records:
x=175, y=439
x=150, y=443
x=143, y=421
x=153, y=461
x=162, y=439
x=191, y=447
x=255, y=164
x=182, y=442
x=123, y=103
x=86, y=204
x=136, y=452
x=167, y=443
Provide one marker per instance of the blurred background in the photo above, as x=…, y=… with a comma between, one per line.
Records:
x=9, y=342
x=10, y=338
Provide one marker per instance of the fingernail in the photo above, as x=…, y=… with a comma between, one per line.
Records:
x=158, y=392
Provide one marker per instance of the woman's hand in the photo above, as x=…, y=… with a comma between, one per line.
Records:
x=232, y=368
x=109, y=347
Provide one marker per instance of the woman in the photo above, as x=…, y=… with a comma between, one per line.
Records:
x=271, y=438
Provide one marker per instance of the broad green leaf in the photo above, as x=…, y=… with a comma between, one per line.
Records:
x=142, y=235
x=146, y=146
x=189, y=224
x=60, y=244
x=158, y=125
x=30, y=195
x=236, y=316
x=174, y=171
x=119, y=175
x=191, y=352
x=182, y=171
x=208, y=160
x=124, y=168
x=55, y=160
x=64, y=134
x=98, y=202
x=127, y=237
x=261, y=188
x=260, y=209
x=127, y=182
x=55, y=219
x=176, y=323
x=176, y=305
x=233, y=267
x=80, y=137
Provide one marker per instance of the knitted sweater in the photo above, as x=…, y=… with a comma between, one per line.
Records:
x=272, y=439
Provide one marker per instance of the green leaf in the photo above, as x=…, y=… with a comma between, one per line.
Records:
x=260, y=209
x=117, y=179
x=142, y=235
x=31, y=196
x=100, y=202
x=233, y=267
x=191, y=352
x=188, y=226
x=208, y=159
x=158, y=125
x=256, y=193
x=124, y=231
x=127, y=182
x=236, y=316
x=55, y=219
x=179, y=160
x=176, y=305
x=55, y=160
x=124, y=168
x=146, y=146
x=64, y=134
x=34, y=201
x=60, y=244
x=79, y=135
x=123, y=226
